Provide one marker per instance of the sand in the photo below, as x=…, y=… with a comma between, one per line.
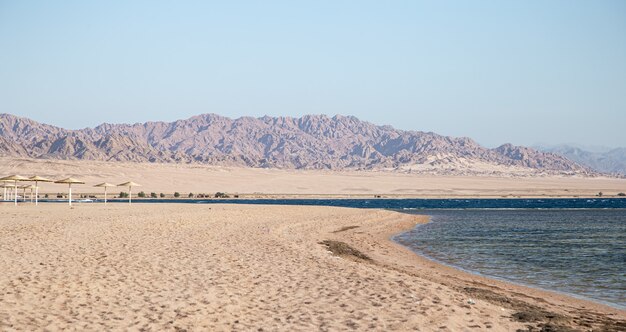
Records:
x=250, y=182
x=248, y=268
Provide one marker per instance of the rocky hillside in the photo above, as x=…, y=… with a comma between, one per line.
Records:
x=309, y=142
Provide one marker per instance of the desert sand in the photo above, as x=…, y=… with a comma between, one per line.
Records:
x=255, y=182
x=249, y=268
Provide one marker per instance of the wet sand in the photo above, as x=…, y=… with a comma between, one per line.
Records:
x=249, y=268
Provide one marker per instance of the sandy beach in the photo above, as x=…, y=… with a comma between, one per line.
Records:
x=249, y=268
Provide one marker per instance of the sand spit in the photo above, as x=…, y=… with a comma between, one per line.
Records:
x=248, y=268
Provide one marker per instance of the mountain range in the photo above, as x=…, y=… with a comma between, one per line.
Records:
x=610, y=161
x=308, y=142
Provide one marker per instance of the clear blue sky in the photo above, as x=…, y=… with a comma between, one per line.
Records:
x=497, y=71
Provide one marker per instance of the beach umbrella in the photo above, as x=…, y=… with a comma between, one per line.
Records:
x=70, y=181
x=4, y=186
x=14, y=178
x=130, y=185
x=105, y=185
x=31, y=187
x=10, y=188
x=7, y=190
x=38, y=179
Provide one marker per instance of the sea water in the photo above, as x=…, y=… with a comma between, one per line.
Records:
x=581, y=252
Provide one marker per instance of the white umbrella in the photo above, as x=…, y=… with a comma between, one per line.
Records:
x=14, y=178
x=105, y=185
x=130, y=185
x=38, y=179
x=69, y=181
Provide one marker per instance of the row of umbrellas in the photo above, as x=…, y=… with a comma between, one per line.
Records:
x=69, y=181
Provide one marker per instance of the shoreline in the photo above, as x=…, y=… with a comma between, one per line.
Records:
x=245, y=267
x=504, y=279
x=261, y=196
x=550, y=301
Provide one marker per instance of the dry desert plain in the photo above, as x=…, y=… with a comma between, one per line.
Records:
x=251, y=182
x=250, y=268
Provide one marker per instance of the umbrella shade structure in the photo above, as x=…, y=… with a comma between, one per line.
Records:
x=130, y=186
x=14, y=178
x=105, y=185
x=28, y=187
x=5, y=185
x=70, y=181
x=38, y=179
x=7, y=193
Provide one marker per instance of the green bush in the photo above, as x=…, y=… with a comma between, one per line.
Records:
x=221, y=195
x=161, y=195
x=621, y=194
x=123, y=194
x=190, y=195
x=141, y=194
x=177, y=194
x=153, y=195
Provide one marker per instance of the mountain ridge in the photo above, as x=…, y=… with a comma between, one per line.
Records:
x=307, y=142
x=609, y=160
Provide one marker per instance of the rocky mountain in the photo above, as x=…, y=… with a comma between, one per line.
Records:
x=611, y=161
x=309, y=142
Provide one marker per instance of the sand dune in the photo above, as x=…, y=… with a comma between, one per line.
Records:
x=255, y=182
x=225, y=267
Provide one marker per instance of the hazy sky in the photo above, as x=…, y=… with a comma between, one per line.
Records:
x=497, y=71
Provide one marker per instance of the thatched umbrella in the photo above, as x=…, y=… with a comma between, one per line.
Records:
x=7, y=193
x=105, y=185
x=38, y=179
x=31, y=187
x=69, y=181
x=14, y=178
x=4, y=185
x=130, y=185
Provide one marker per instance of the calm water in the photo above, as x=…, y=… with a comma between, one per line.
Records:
x=413, y=204
x=580, y=252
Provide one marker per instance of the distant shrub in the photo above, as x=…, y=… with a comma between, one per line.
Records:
x=177, y=194
x=123, y=194
x=190, y=195
x=161, y=195
x=600, y=194
x=621, y=194
x=59, y=196
x=153, y=195
x=141, y=194
x=46, y=196
x=221, y=195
